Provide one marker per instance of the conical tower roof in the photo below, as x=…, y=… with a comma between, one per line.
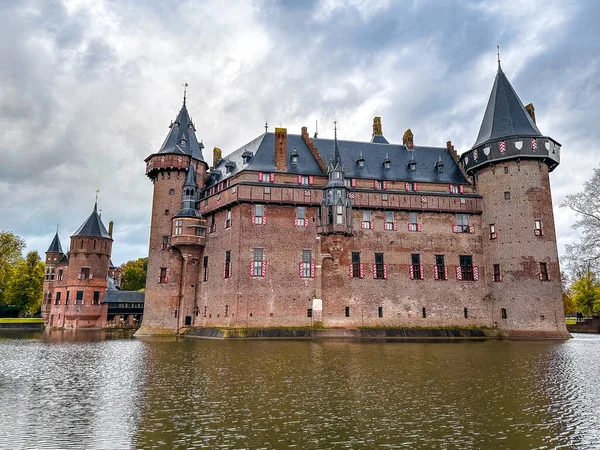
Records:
x=190, y=189
x=182, y=137
x=55, y=246
x=190, y=177
x=93, y=226
x=505, y=115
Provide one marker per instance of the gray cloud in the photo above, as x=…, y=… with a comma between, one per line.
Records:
x=87, y=89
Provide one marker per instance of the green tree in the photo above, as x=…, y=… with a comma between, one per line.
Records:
x=133, y=275
x=26, y=286
x=586, y=293
x=11, y=251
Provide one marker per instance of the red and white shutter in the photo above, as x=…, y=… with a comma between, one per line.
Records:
x=436, y=275
x=451, y=188
x=422, y=270
x=264, y=268
x=300, y=267
x=353, y=182
x=375, y=271
x=458, y=273
x=475, y=273
x=461, y=189
x=384, y=185
x=395, y=226
x=375, y=185
x=296, y=221
x=225, y=270
x=253, y=220
x=351, y=271
x=167, y=279
x=251, y=268
x=264, y=219
x=411, y=272
x=311, y=179
x=312, y=269
x=385, y=272
x=299, y=179
x=418, y=227
x=445, y=272
x=230, y=269
x=79, y=276
x=271, y=177
x=415, y=187
x=362, y=270
x=472, y=229
x=261, y=176
x=406, y=186
x=455, y=228
x=372, y=225
x=91, y=276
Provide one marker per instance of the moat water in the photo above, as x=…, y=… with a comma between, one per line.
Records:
x=90, y=390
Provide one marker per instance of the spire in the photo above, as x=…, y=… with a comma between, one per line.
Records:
x=190, y=177
x=93, y=226
x=505, y=116
x=337, y=161
x=55, y=246
x=185, y=85
x=96, y=203
x=190, y=194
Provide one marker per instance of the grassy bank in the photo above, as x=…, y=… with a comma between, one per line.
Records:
x=22, y=320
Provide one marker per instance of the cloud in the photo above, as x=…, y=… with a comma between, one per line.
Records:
x=88, y=89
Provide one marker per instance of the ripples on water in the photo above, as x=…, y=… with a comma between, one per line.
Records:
x=86, y=391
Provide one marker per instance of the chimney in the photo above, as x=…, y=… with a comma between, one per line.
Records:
x=110, y=227
x=281, y=149
x=407, y=139
x=216, y=156
x=377, y=126
x=531, y=110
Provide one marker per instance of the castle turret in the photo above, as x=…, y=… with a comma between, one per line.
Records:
x=53, y=255
x=336, y=207
x=510, y=162
x=178, y=171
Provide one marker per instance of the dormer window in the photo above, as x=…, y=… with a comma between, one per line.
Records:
x=337, y=175
x=182, y=142
x=439, y=166
x=247, y=156
x=294, y=159
x=175, y=124
x=360, y=161
x=229, y=165
x=386, y=162
x=412, y=165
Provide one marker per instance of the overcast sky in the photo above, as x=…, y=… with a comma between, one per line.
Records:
x=88, y=89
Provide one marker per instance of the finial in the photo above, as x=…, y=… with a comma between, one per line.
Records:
x=498, y=50
x=185, y=85
x=266, y=126
x=57, y=229
x=316, y=128
x=96, y=204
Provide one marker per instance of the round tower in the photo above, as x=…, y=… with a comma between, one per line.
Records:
x=510, y=163
x=167, y=169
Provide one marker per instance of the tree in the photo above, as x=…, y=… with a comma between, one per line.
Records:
x=586, y=294
x=567, y=296
x=584, y=256
x=26, y=286
x=133, y=274
x=11, y=251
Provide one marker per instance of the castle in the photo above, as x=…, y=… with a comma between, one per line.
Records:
x=81, y=286
x=293, y=230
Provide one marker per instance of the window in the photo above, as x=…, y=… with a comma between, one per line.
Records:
x=266, y=177
x=380, y=311
x=410, y=186
x=79, y=298
x=412, y=165
x=357, y=269
x=57, y=300
x=497, y=275
x=367, y=222
x=389, y=223
x=413, y=225
x=163, y=278
x=85, y=273
x=52, y=271
x=178, y=227
x=360, y=161
x=506, y=170
x=424, y=312
x=267, y=190
x=330, y=215
x=212, y=227
x=165, y=243
x=544, y=272
x=304, y=179
x=309, y=312
x=294, y=159
x=466, y=313
x=347, y=311
x=199, y=231
x=506, y=195
x=306, y=268
x=258, y=264
x=68, y=298
x=493, y=234
x=60, y=275
x=339, y=214
x=228, y=218
x=166, y=212
x=171, y=191
x=440, y=270
x=538, y=228
x=384, y=197
x=416, y=269
x=454, y=189
x=379, y=268
x=205, y=269
x=96, y=299
x=462, y=223
x=227, y=269
x=259, y=215
x=378, y=184
x=466, y=267
x=301, y=216
x=503, y=312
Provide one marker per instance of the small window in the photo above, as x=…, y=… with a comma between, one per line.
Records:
x=171, y=191
x=294, y=159
x=79, y=298
x=309, y=312
x=165, y=242
x=466, y=313
x=367, y=219
x=454, y=189
x=199, y=231
x=96, y=299
x=306, y=264
x=412, y=165
x=347, y=311
x=440, y=268
x=378, y=184
x=259, y=212
x=410, y=187
x=503, y=312
x=389, y=221
x=205, y=271
x=57, y=300
x=85, y=273
x=380, y=312
x=163, y=278
x=356, y=272
x=227, y=271
x=462, y=223
x=339, y=214
x=544, y=272
x=506, y=170
x=379, y=266
x=497, y=275
x=258, y=264
x=166, y=212
x=213, y=226
x=60, y=275
x=68, y=297
x=424, y=313
x=267, y=189
x=492, y=228
x=384, y=197
x=466, y=267
x=506, y=195
x=178, y=227
x=416, y=266
x=228, y=218
x=301, y=216
x=413, y=224
x=538, y=227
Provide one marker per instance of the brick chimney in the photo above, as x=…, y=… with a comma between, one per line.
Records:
x=407, y=139
x=377, y=126
x=281, y=149
x=216, y=156
x=531, y=110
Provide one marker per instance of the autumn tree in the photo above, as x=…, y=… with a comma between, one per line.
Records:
x=26, y=285
x=584, y=256
x=133, y=274
x=586, y=293
x=11, y=251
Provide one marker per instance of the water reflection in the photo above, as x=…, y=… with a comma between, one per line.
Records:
x=80, y=392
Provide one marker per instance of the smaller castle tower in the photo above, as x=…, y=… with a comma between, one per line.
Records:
x=54, y=254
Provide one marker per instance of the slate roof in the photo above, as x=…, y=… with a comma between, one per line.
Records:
x=505, y=115
x=189, y=201
x=55, y=245
x=263, y=160
x=118, y=296
x=93, y=226
x=182, y=128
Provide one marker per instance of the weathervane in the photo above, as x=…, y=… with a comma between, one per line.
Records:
x=498, y=50
x=185, y=85
x=266, y=126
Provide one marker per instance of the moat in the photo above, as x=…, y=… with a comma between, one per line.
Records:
x=93, y=390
